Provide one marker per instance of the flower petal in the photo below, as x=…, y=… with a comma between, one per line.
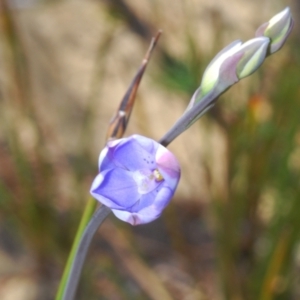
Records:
x=115, y=188
x=149, y=213
x=146, y=200
x=142, y=217
x=148, y=144
x=104, y=162
x=134, y=153
x=168, y=166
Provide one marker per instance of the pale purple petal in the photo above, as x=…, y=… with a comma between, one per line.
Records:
x=149, y=145
x=145, y=200
x=163, y=198
x=168, y=166
x=149, y=213
x=106, y=156
x=104, y=162
x=134, y=155
x=141, y=217
x=118, y=186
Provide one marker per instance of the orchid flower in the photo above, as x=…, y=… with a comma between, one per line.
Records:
x=137, y=178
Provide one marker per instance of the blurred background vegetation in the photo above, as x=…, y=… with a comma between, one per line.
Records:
x=232, y=230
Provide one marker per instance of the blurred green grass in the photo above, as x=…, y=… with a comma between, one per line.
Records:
x=242, y=244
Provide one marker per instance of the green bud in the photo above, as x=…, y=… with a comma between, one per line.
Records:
x=212, y=72
x=277, y=29
x=254, y=53
x=233, y=63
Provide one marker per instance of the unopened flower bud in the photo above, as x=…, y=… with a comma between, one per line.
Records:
x=277, y=29
x=212, y=72
x=233, y=63
x=254, y=53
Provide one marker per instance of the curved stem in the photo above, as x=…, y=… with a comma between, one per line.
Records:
x=87, y=215
x=82, y=250
x=189, y=117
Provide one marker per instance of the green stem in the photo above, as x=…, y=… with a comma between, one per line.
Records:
x=97, y=219
x=88, y=212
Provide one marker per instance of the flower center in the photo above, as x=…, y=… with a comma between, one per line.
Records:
x=147, y=180
x=157, y=175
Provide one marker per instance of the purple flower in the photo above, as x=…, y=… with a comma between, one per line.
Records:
x=137, y=178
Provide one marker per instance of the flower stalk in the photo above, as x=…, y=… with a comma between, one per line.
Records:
x=79, y=257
